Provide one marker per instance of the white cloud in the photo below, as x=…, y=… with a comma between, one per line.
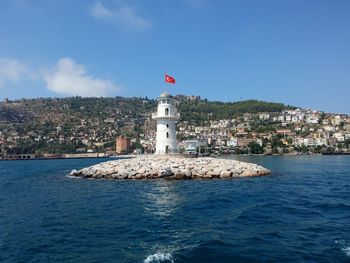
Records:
x=70, y=78
x=12, y=70
x=123, y=16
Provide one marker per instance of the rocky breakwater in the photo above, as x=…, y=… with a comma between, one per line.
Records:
x=170, y=167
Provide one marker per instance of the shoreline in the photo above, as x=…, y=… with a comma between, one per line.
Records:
x=134, y=156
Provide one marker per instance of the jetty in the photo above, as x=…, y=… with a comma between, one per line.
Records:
x=170, y=167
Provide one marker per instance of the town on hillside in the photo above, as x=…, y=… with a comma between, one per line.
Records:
x=99, y=127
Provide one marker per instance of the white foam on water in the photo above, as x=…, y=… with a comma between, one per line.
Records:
x=159, y=258
x=73, y=177
x=346, y=250
x=344, y=246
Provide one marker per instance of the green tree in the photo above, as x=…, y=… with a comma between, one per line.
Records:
x=255, y=148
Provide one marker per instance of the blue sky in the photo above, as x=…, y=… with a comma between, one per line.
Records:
x=295, y=52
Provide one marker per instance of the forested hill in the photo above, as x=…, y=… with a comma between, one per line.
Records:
x=66, y=109
x=203, y=110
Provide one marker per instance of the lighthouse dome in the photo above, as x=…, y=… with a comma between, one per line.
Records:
x=165, y=95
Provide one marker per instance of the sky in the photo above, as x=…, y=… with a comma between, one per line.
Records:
x=295, y=52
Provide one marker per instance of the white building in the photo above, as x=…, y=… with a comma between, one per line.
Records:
x=264, y=116
x=233, y=142
x=339, y=137
x=193, y=146
x=321, y=141
x=312, y=119
x=166, y=116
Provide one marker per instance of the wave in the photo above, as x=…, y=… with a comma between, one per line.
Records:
x=72, y=177
x=159, y=258
x=346, y=250
x=344, y=246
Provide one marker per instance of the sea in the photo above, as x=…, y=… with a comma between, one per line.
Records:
x=299, y=213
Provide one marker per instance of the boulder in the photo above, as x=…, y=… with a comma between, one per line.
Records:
x=207, y=176
x=166, y=172
x=188, y=174
x=75, y=173
x=225, y=174
x=89, y=173
x=197, y=174
x=123, y=175
x=248, y=173
x=180, y=175
x=213, y=173
x=236, y=171
x=141, y=171
x=86, y=175
x=131, y=173
x=114, y=176
x=138, y=176
x=154, y=173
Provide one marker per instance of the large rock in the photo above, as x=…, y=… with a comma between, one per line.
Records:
x=213, y=174
x=166, y=172
x=123, y=175
x=248, y=173
x=225, y=174
x=207, y=175
x=180, y=175
x=75, y=173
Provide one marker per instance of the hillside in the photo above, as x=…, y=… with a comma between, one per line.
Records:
x=59, y=125
x=61, y=110
x=204, y=110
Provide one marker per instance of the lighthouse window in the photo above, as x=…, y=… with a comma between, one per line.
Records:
x=167, y=134
x=163, y=101
x=168, y=101
x=167, y=125
x=166, y=111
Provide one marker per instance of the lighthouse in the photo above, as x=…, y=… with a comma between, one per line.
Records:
x=166, y=116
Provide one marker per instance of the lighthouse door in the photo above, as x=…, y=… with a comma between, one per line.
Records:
x=167, y=149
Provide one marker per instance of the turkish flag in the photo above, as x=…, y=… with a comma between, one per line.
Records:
x=169, y=79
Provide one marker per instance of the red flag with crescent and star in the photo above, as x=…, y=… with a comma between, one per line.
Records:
x=169, y=79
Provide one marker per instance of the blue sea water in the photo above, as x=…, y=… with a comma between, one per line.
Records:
x=300, y=213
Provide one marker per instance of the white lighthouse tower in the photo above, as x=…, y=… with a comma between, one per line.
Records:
x=166, y=117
